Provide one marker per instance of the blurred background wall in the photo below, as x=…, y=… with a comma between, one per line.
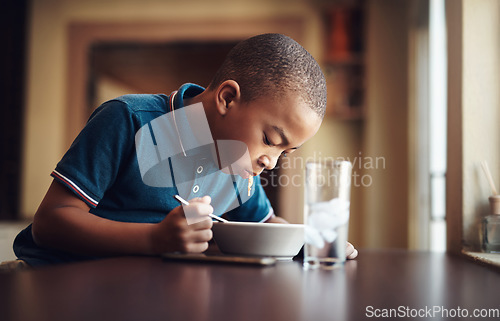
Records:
x=374, y=135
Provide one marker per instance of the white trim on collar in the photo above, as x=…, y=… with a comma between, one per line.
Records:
x=175, y=123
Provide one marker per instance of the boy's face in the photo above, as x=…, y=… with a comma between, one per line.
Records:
x=269, y=128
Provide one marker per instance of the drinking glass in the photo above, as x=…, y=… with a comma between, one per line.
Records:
x=326, y=213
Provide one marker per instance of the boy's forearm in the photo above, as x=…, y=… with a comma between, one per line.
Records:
x=73, y=230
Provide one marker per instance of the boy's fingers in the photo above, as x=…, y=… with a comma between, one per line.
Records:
x=205, y=199
x=194, y=214
x=353, y=255
x=198, y=236
x=351, y=251
x=205, y=209
x=205, y=224
x=197, y=241
x=197, y=211
x=197, y=247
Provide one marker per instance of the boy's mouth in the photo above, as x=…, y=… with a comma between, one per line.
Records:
x=246, y=174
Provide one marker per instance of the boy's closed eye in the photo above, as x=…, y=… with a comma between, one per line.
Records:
x=268, y=142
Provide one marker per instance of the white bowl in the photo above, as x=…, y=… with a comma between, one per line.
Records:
x=259, y=239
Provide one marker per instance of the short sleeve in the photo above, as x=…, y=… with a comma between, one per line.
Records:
x=93, y=161
x=256, y=209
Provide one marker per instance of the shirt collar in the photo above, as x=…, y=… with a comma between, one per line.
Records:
x=176, y=99
x=187, y=139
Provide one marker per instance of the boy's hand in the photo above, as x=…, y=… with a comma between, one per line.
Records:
x=174, y=234
x=351, y=252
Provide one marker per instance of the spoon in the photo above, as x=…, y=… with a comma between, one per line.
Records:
x=215, y=217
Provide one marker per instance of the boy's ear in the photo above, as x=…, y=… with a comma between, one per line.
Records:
x=227, y=96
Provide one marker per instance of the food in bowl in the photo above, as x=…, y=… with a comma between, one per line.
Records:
x=259, y=239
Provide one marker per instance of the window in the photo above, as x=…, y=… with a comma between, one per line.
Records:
x=437, y=124
x=428, y=126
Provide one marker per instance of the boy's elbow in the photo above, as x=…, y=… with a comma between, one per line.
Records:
x=56, y=211
x=44, y=229
x=38, y=229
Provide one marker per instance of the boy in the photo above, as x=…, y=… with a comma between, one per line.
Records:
x=112, y=191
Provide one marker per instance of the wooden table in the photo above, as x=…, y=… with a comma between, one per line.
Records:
x=147, y=288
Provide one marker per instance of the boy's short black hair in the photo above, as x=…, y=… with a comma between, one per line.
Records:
x=275, y=65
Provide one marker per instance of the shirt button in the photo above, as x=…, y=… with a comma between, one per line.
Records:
x=196, y=188
x=199, y=169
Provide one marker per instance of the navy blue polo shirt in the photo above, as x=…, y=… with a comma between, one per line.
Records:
x=111, y=168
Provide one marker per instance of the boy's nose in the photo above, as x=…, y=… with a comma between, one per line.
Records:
x=268, y=162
